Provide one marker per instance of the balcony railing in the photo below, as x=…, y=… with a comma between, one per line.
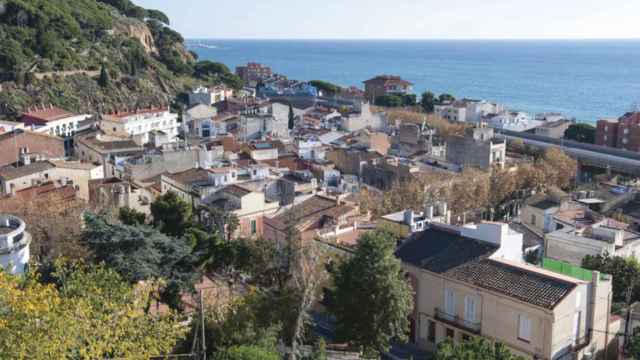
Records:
x=470, y=326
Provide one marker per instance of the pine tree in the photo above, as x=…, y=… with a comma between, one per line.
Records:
x=291, y=117
x=372, y=300
x=103, y=80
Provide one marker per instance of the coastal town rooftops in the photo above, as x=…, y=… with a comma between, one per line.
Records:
x=189, y=177
x=444, y=251
x=44, y=114
x=236, y=190
x=310, y=211
x=110, y=145
x=11, y=172
x=389, y=80
x=123, y=116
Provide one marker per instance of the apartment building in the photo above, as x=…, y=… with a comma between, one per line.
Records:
x=623, y=133
x=140, y=123
x=477, y=148
x=253, y=72
x=209, y=95
x=250, y=207
x=54, y=121
x=386, y=85
x=467, y=110
x=471, y=281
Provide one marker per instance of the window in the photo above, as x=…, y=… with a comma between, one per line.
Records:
x=524, y=328
x=449, y=302
x=450, y=333
x=470, y=308
x=533, y=219
x=253, y=227
x=465, y=337
x=431, y=336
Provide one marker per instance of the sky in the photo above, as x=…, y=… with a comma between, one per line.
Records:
x=402, y=19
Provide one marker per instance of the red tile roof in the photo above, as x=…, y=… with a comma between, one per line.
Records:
x=44, y=115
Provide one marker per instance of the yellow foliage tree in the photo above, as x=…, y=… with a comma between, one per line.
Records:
x=81, y=313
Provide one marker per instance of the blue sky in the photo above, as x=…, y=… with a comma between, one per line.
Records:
x=403, y=19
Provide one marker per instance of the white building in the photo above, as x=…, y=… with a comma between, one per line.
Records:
x=310, y=148
x=467, y=110
x=14, y=244
x=209, y=96
x=512, y=120
x=140, y=123
x=200, y=121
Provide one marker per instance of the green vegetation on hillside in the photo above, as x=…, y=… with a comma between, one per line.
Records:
x=92, y=56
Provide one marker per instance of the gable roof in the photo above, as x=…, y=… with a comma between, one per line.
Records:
x=11, y=172
x=446, y=252
x=44, y=115
x=310, y=211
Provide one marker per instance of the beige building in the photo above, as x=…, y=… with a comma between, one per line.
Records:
x=249, y=206
x=470, y=281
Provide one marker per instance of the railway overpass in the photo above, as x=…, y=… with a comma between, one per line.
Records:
x=616, y=160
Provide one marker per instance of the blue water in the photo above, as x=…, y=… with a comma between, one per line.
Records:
x=585, y=79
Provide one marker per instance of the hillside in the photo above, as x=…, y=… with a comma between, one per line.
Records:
x=93, y=55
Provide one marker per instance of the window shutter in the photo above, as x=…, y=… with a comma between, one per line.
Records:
x=470, y=308
x=524, y=328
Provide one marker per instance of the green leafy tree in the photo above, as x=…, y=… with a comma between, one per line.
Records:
x=327, y=87
x=444, y=98
x=581, y=132
x=291, y=117
x=625, y=273
x=247, y=352
x=389, y=101
x=171, y=214
x=141, y=252
x=158, y=15
x=372, y=299
x=428, y=101
x=81, y=312
x=129, y=216
x=476, y=349
x=634, y=346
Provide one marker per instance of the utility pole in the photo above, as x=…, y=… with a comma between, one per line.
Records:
x=203, y=344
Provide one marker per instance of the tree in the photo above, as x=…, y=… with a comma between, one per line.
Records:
x=558, y=168
x=141, y=252
x=581, y=132
x=129, y=216
x=327, y=87
x=247, y=352
x=103, y=80
x=291, y=117
x=83, y=311
x=171, y=214
x=371, y=299
x=476, y=348
x=634, y=346
x=389, y=101
x=625, y=273
x=428, y=101
x=445, y=98
x=55, y=224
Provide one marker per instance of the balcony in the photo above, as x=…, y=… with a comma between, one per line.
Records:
x=457, y=321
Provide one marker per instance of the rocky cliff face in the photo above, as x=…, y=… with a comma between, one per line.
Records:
x=138, y=30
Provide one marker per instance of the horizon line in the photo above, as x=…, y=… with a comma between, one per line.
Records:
x=412, y=39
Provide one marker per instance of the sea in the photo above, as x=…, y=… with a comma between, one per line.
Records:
x=582, y=79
